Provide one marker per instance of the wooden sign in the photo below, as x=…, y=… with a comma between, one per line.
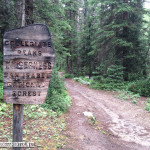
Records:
x=28, y=59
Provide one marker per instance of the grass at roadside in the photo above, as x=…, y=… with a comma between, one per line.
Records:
x=41, y=126
x=148, y=105
x=127, y=95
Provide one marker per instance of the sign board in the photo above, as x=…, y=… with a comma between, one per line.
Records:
x=28, y=59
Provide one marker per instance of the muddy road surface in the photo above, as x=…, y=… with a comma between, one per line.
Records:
x=117, y=126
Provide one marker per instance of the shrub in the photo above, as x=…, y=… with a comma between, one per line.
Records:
x=106, y=85
x=148, y=105
x=57, y=97
x=68, y=75
x=115, y=73
x=98, y=78
x=113, y=79
x=142, y=87
x=134, y=76
x=83, y=80
x=109, y=83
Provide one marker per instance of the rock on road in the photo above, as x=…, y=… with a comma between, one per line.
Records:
x=126, y=126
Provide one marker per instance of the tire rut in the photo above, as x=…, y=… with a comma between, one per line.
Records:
x=127, y=123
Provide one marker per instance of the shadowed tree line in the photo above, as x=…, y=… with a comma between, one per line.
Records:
x=90, y=37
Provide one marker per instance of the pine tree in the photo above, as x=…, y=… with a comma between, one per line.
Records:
x=87, y=36
x=52, y=13
x=7, y=18
x=70, y=38
x=121, y=23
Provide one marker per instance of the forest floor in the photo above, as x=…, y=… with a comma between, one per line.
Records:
x=116, y=125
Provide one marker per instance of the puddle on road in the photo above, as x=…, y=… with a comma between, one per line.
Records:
x=127, y=130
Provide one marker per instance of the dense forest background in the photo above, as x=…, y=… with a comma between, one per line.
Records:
x=104, y=44
x=108, y=40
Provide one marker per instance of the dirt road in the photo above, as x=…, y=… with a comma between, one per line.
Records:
x=121, y=125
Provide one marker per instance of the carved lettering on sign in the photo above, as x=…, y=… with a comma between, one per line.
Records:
x=16, y=94
x=19, y=76
x=21, y=64
x=29, y=52
x=22, y=43
x=27, y=64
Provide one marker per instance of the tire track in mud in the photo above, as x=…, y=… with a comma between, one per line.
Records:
x=124, y=128
x=129, y=123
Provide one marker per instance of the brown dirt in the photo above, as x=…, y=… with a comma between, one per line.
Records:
x=120, y=125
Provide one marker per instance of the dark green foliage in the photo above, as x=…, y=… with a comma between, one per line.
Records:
x=112, y=80
x=120, y=35
x=57, y=97
x=106, y=84
x=148, y=105
x=134, y=77
x=7, y=18
x=115, y=73
x=83, y=80
x=52, y=14
x=109, y=33
x=68, y=75
x=86, y=51
x=71, y=36
x=112, y=33
x=142, y=87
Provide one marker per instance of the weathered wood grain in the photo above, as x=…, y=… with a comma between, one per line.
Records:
x=27, y=64
x=17, y=124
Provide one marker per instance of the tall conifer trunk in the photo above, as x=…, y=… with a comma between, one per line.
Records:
x=18, y=108
x=125, y=49
x=18, y=12
x=29, y=12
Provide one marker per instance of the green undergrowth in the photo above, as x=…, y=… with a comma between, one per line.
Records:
x=83, y=80
x=113, y=79
x=127, y=95
x=57, y=97
x=41, y=126
x=68, y=75
x=102, y=83
x=141, y=86
x=106, y=85
x=148, y=105
x=131, y=91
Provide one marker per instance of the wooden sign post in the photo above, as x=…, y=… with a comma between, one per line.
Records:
x=28, y=59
